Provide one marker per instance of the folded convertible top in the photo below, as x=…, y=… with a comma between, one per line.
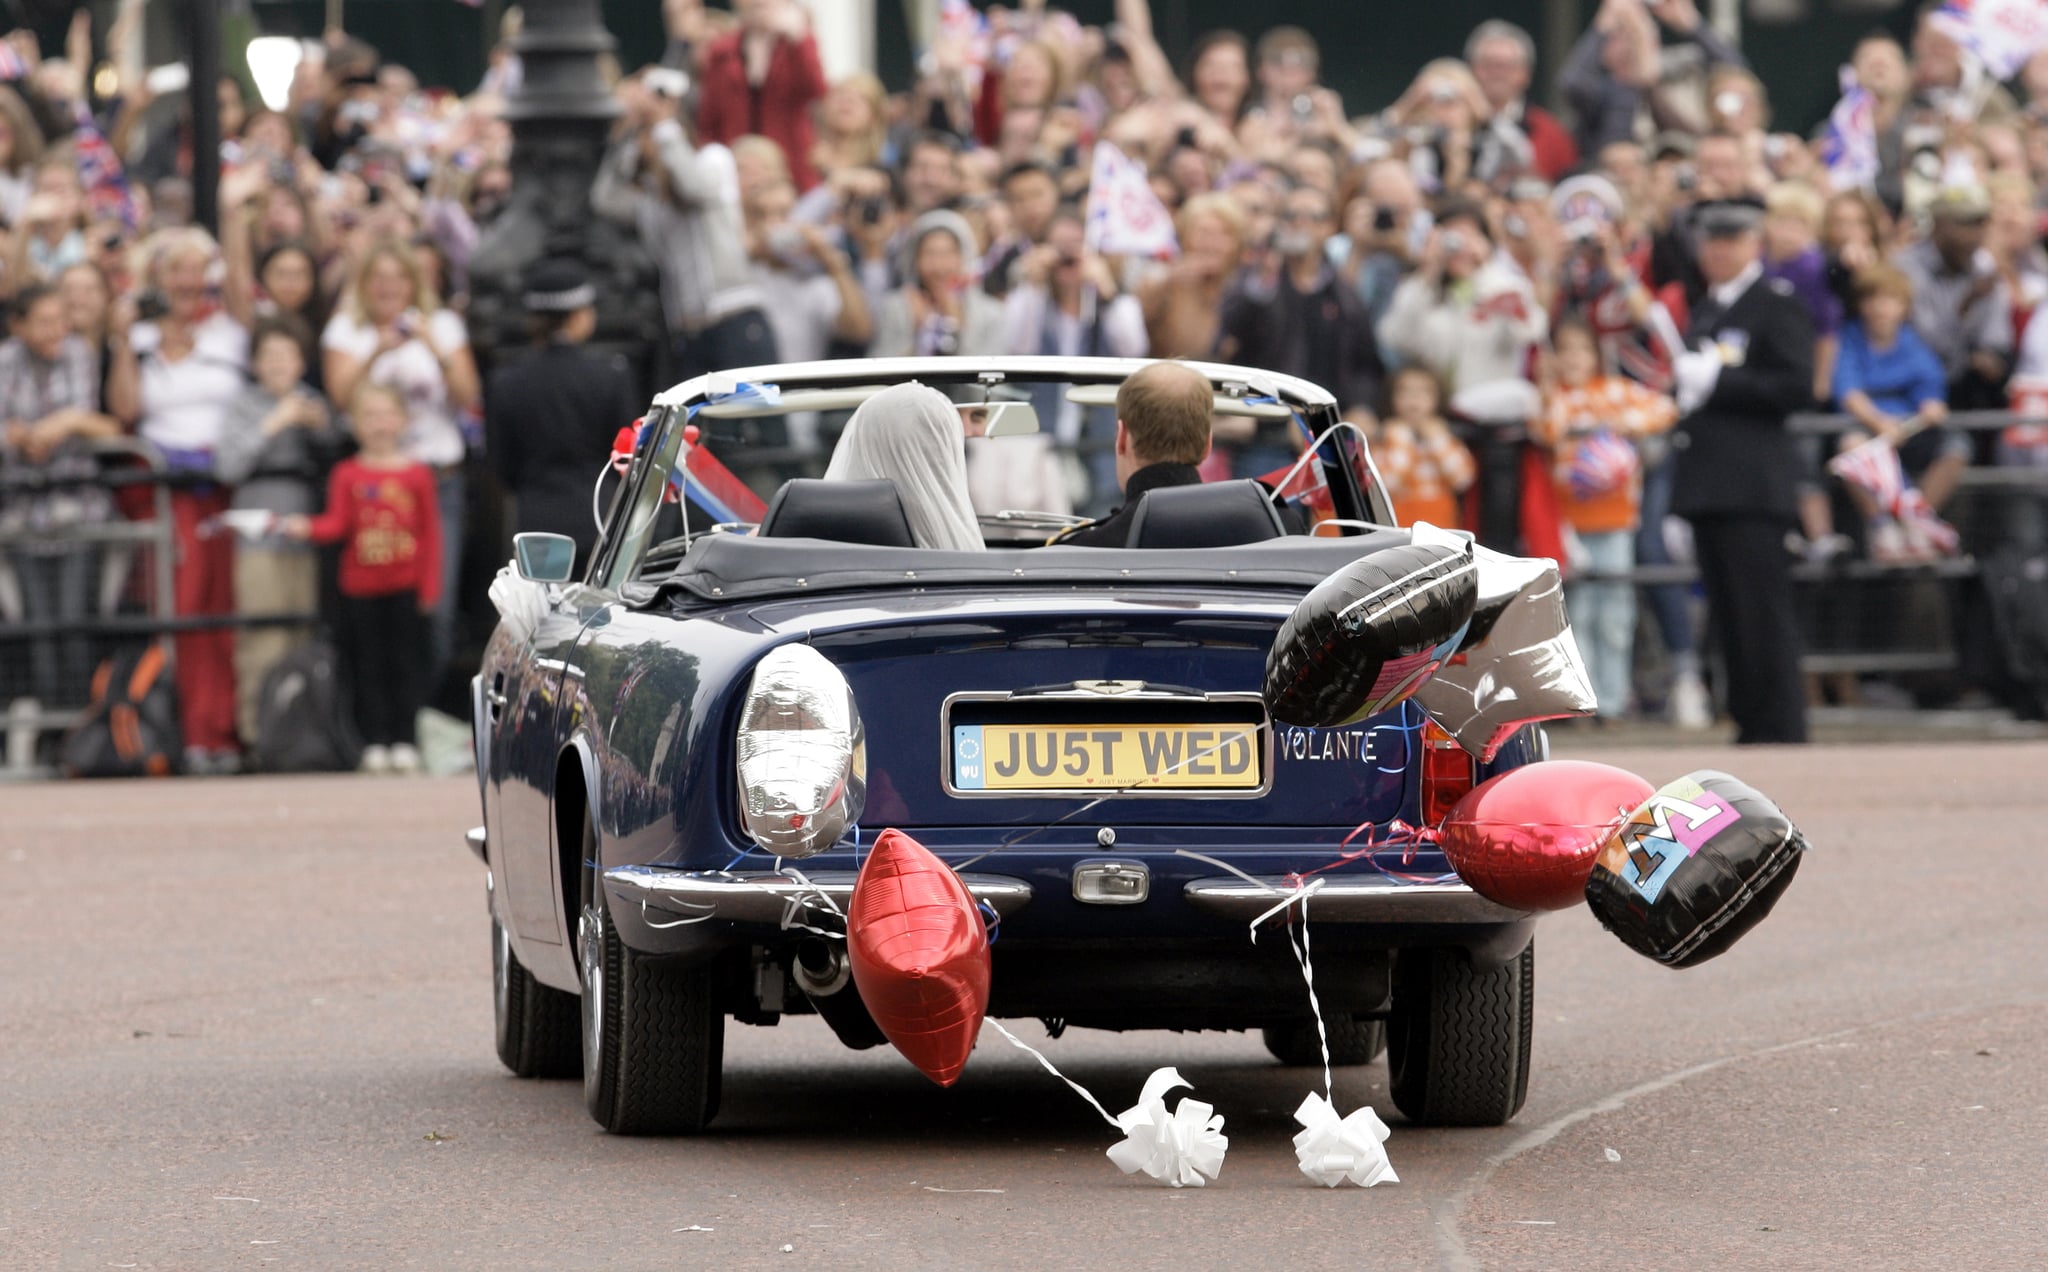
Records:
x=725, y=567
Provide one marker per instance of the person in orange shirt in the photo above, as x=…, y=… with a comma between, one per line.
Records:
x=1424, y=467
x=1590, y=422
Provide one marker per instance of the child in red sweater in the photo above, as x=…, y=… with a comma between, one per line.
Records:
x=381, y=507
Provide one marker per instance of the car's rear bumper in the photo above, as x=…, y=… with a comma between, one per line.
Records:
x=1372, y=900
x=772, y=900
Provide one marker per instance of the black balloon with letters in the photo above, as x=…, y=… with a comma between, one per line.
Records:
x=1694, y=869
x=1369, y=635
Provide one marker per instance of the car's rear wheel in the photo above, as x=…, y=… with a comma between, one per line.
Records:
x=1352, y=1041
x=653, y=1033
x=537, y=1033
x=1458, y=1040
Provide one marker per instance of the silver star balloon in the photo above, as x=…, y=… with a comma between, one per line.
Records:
x=1518, y=664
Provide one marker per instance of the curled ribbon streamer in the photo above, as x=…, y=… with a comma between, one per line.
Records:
x=1183, y=1149
x=1332, y=1149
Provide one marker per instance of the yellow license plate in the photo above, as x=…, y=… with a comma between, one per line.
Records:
x=1096, y=757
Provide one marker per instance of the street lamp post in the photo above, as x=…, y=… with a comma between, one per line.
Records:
x=561, y=116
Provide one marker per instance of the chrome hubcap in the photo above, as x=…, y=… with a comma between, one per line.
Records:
x=590, y=954
x=501, y=971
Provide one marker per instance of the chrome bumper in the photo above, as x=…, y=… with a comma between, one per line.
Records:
x=772, y=898
x=1373, y=900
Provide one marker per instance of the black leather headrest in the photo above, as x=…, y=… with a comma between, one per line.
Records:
x=1216, y=515
x=868, y=512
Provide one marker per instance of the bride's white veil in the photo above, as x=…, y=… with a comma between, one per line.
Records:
x=910, y=434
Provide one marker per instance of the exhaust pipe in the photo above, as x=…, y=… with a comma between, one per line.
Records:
x=821, y=970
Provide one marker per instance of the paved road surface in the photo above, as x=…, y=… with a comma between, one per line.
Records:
x=247, y=1024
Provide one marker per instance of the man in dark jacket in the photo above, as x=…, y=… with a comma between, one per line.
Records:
x=1162, y=432
x=1304, y=321
x=1750, y=366
x=553, y=414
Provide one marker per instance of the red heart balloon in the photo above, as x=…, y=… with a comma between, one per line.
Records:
x=920, y=955
x=1527, y=838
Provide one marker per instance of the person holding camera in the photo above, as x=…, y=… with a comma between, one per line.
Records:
x=684, y=199
x=1301, y=319
x=814, y=299
x=1473, y=319
x=179, y=363
x=938, y=312
x=1516, y=134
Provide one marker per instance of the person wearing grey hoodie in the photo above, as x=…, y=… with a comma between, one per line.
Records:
x=684, y=199
x=938, y=310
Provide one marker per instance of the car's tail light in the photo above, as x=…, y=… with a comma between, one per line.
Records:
x=1448, y=772
x=803, y=761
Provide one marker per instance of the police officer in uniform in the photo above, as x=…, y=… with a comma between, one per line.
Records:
x=552, y=415
x=1749, y=365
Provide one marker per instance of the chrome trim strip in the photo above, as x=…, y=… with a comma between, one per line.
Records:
x=1074, y=693
x=767, y=898
x=474, y=837
x=1352, y=901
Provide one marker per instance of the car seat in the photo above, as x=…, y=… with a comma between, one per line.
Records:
x=869, y=512
x=1215, y=515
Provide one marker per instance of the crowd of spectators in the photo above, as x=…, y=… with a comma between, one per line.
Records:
x=1495, y=291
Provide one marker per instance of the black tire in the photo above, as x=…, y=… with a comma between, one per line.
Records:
x=538, y=1032
x=1352, y=1041
x=1458, y=1040
x=653, y=1040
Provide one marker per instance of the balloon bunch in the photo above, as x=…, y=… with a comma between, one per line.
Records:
x=1679, y=873
x=1478, y=638
x=1482, y=643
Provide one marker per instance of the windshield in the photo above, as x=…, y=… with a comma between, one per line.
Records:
x=1041, y=456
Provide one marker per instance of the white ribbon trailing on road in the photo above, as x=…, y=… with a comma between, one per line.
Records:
x=1183, y=1148
x=1333, y=1149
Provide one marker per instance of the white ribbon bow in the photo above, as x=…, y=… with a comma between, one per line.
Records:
x=521, y=604
x=1333, y=1150
x=1183, y=1149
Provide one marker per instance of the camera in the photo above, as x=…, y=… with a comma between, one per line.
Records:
x=1385, y=220
x=281, y=173
x=1453, y=242
x=1304, y=108
x=666, y=81
x=151, y=305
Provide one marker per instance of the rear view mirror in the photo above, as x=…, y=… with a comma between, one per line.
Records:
x=544, y=558
x=998, y=419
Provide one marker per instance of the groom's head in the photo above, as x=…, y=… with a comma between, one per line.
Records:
x=1162, y=417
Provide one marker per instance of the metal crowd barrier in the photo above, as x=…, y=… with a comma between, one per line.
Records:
x=131, y=598
x=1865, y=617
x=131, y=592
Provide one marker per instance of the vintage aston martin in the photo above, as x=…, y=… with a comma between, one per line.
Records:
x=1078, y=731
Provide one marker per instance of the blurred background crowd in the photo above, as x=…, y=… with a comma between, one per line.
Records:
x=1493, y=270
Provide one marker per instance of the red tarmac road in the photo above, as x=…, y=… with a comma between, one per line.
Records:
x=247, y=1024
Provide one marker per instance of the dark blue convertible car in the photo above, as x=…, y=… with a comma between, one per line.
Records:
x=1030, y=713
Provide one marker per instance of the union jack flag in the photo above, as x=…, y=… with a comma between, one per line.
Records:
x=1874, y=468
x=1848, y=147
x=100, y=172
